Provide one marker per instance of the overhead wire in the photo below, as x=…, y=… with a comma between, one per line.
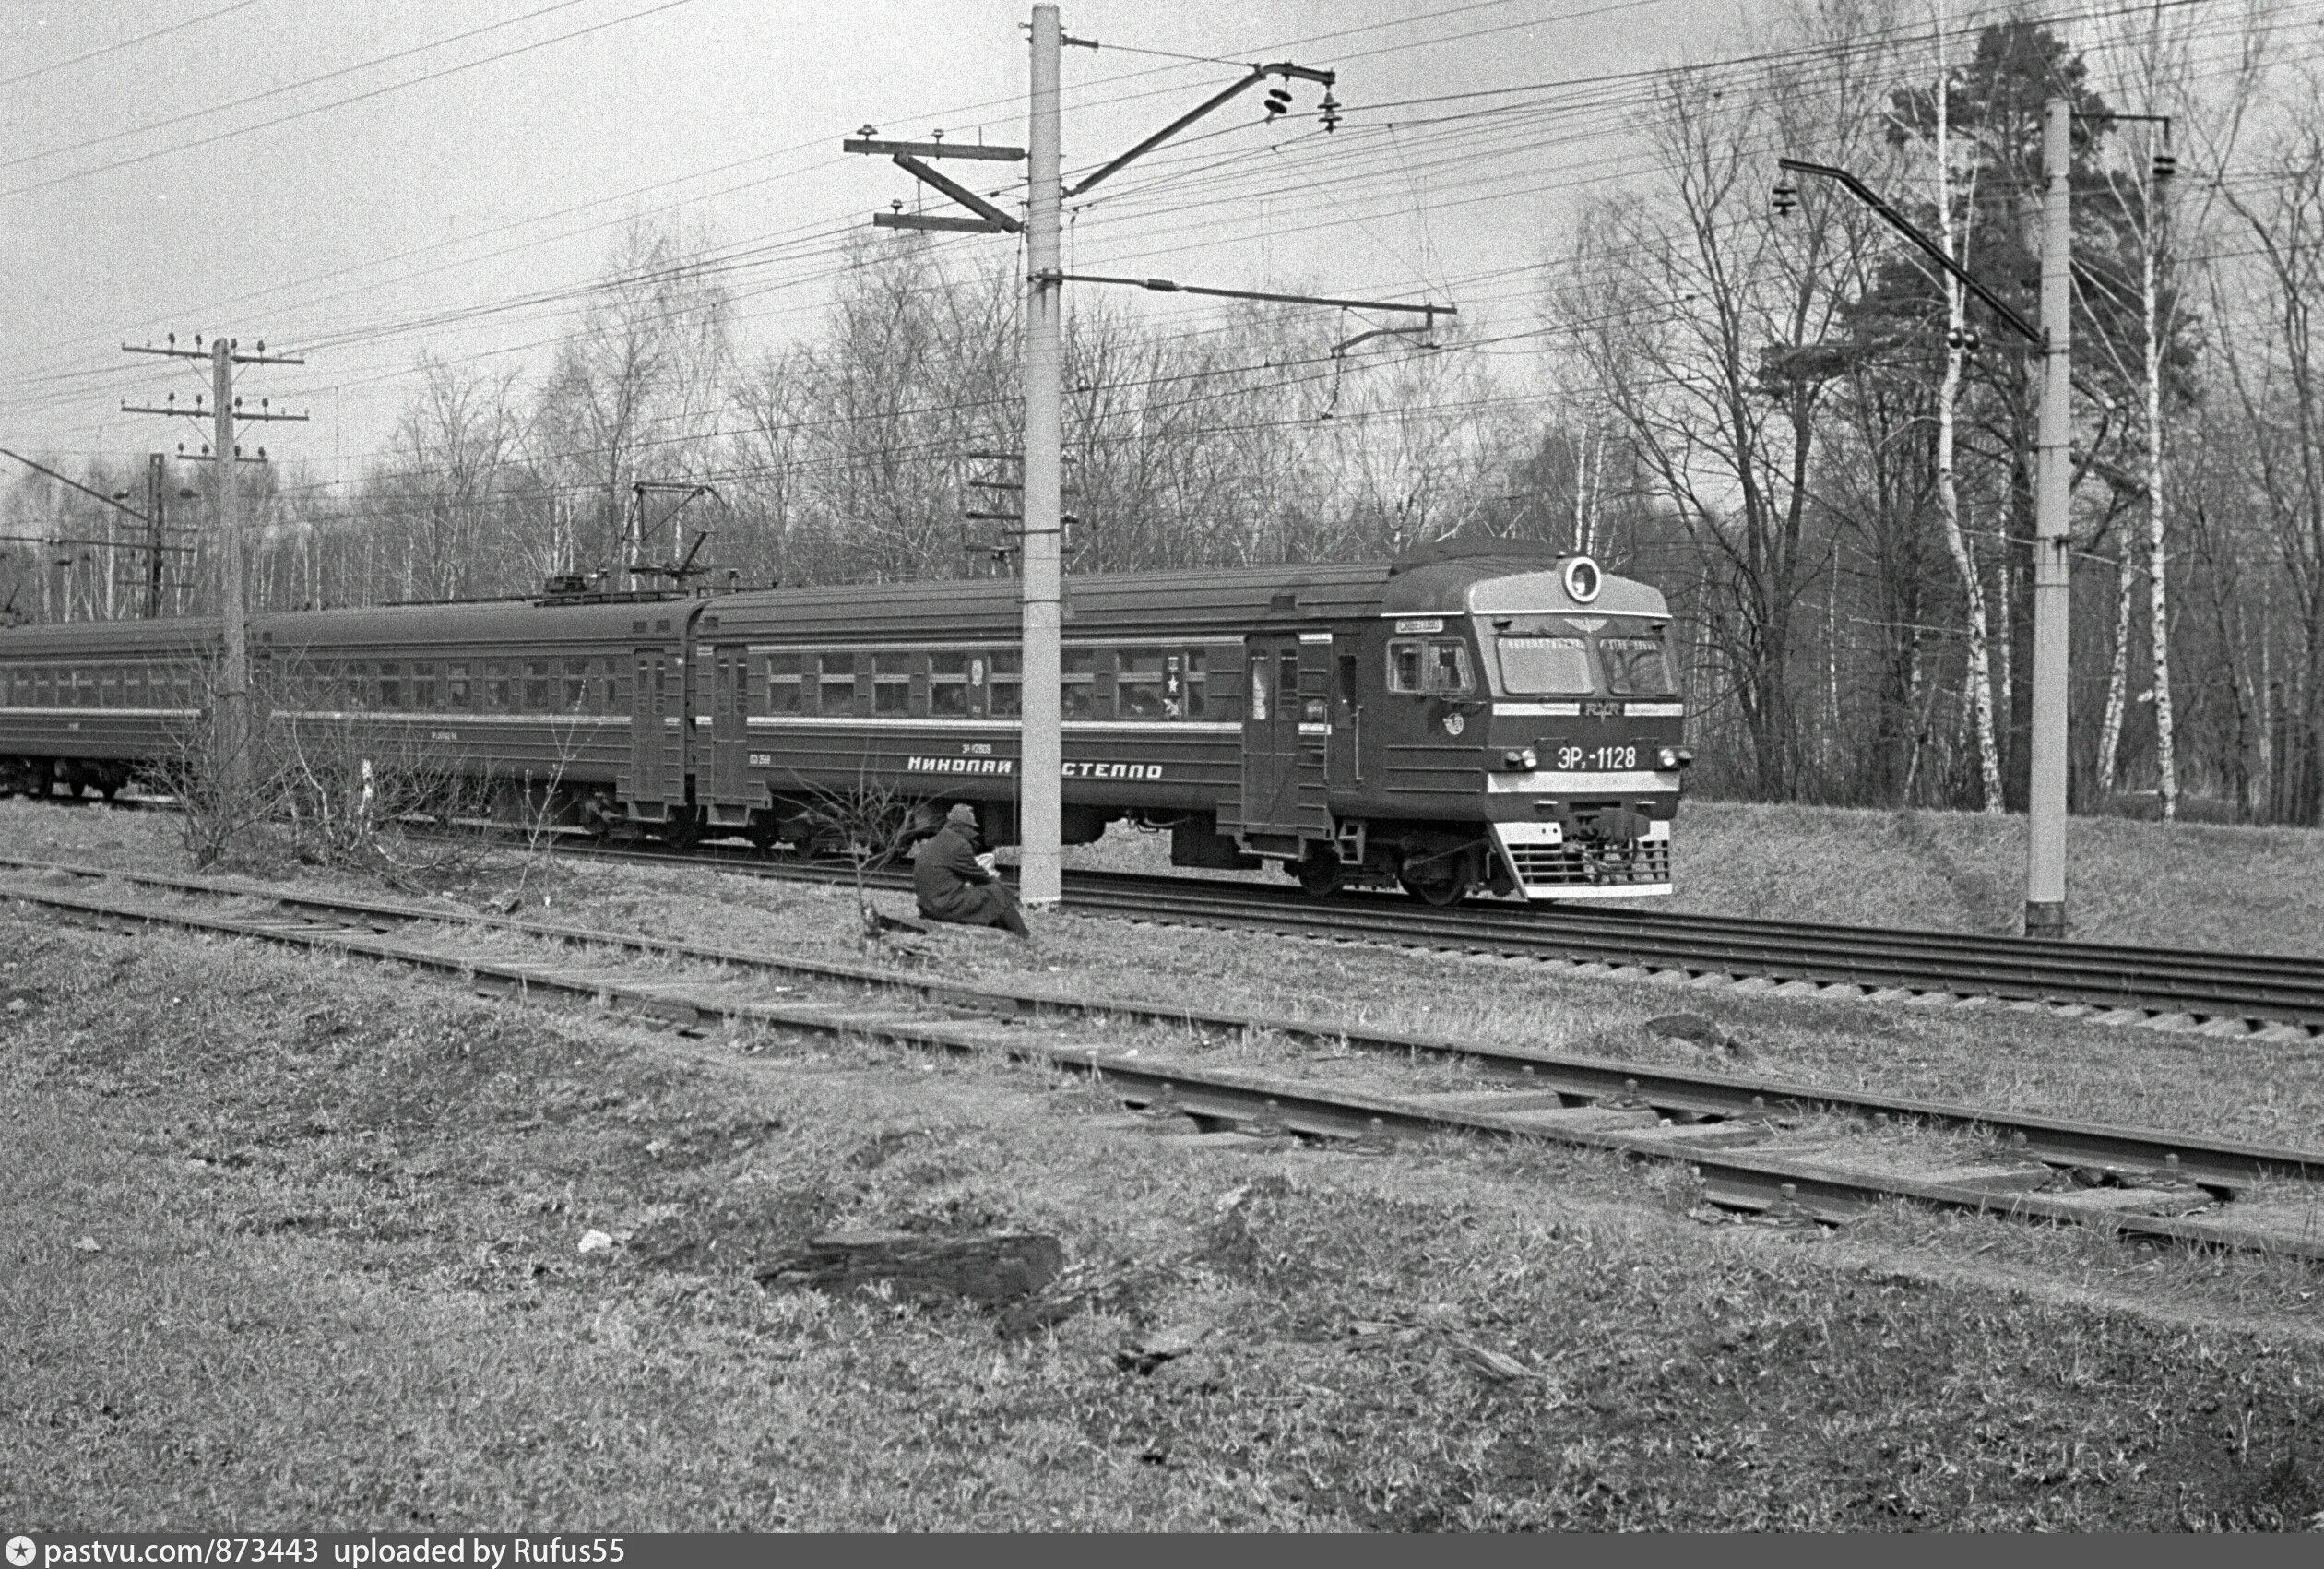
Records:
x=119, y=44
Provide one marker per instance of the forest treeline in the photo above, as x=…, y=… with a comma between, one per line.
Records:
x=1777, y=409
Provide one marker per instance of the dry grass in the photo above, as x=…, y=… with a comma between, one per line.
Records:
x=335, y=1281
x=1985, y=1055
x=2249, y=890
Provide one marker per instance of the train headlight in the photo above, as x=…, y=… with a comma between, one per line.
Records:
x=1673, y=757
x=1523, y=757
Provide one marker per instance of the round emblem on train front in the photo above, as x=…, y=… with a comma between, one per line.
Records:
x=1455, y=724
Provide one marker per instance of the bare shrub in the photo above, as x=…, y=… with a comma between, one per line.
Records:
x=871, y=825
x=329, y=791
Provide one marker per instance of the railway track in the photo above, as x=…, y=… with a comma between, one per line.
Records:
x=2272, y=999
x=1761, y=1145
x=2229, y=995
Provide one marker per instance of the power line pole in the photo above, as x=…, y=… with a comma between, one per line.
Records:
x=2052, y=490
x=2052, y=503
x=1040, y=791
x=1040, y=785
x=234, y=731
x=157, y=511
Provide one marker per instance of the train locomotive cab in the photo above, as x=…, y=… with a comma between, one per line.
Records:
x=1583, y=751
x=1524, y=737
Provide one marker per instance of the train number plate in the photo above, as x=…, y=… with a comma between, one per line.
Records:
x=1573, y=759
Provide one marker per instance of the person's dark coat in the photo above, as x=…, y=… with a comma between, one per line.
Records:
x=952, y=886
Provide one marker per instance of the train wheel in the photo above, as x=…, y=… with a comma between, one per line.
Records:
x=682, y=833
x=1437, y=891
x=1320, y=874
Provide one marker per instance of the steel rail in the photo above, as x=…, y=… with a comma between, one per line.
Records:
x=2254, y=990
x=1769, y=1182
x=1683, y=1096
x=2226, y=992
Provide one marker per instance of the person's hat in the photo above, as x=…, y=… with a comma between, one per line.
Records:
x=962, y=812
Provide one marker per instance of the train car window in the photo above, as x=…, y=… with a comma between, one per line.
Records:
x=109, y=687
x=576, y=686
x=783, y=685
x=1007, y=685
x=1260, y=706
x=391, y=686
x=836, y=683
x=1540, y=666
x=1147, y=684
x=425, y=686
x=1634, y=666
x=892, y=682
x=455, y=685
x=1077, y=683
x=1449, y=666
x=537, y=686
x=1196, y=701
x=948, y=684
x=495, y=687
x=1405, y=669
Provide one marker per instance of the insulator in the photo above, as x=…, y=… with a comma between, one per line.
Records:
x=2165, y=166
x=1786, y=198
x=1331, y=115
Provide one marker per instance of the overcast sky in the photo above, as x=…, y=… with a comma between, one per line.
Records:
x=420, y=218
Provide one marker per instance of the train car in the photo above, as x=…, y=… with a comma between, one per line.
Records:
x=1444, y=723
x=535, y=697
x=84, y=706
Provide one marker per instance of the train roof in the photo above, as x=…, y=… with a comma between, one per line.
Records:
x=1228, y=598
x=1218, y=599
x=482, y=623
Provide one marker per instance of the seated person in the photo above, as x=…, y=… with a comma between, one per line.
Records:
x=957, y=884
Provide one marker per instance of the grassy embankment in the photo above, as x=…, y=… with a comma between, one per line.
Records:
x=1990, y=1055
x=330, y=1279
x=2252, y=890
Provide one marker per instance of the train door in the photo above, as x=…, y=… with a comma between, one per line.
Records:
x=652, y=739
x=1271, y=738
x=1347, y=770
x=730, y=735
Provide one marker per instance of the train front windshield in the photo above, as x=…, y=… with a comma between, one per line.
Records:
x=1626, y=652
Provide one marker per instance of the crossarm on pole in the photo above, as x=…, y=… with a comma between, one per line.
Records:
x=1911, y=231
